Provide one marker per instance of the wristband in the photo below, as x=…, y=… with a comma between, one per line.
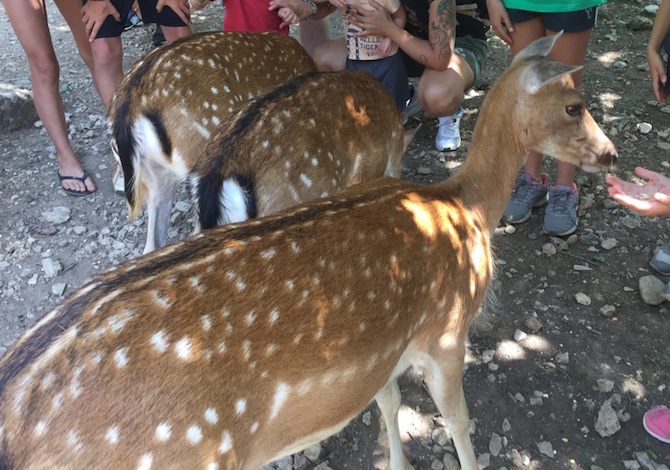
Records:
x=313, y=6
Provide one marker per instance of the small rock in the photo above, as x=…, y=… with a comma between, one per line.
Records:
x=582, y=299
x=605, y=385
x=619, y=64
x=533, y=324
x=58, y=288
x=607, y=310
x=563, y=358
x=79, y=229
x=439, y=436
x=663, y=145
x=506, y=426
x=651, y=9
x=57, y=215
x=581, y=267
x=608, y=423
x=549, y=249
x=487, y=356
x=520, y=398
x=545, y=448
x=436, y=465
x=366, y=418
x=651, y=290
x=51, y=267
x=422, y=170
x=609, y=243
x=495, y=445
x=182, y=206
x=450, y=462
x=519, y=336
x=648, y=464
x=644, y=128
x=640, y=23
x=631, y=465
x=484, y=461
x=313, y=452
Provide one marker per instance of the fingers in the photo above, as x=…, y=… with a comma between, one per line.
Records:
x=377, y=6
x=646, y=174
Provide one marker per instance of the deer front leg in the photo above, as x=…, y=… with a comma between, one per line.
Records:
x=388, y=400
x=444, y=377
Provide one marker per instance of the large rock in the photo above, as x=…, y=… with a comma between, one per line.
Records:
x=17, y=109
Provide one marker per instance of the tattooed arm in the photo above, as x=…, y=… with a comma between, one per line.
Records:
x=434, y=53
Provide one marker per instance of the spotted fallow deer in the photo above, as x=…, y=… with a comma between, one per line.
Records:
x=176, y=98
x=249, y=342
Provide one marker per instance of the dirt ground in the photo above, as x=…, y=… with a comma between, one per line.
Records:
x=571, y=334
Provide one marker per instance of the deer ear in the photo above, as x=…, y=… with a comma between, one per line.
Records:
x=541, y=73
x=538, y=48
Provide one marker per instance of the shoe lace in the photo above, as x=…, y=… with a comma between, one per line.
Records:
x=521, y=191
x=559, y=201
x=449, y=127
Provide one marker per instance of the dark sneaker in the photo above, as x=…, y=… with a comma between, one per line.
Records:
x=413, y=106
x=661, y=260
x=560, y=217
x=527, y=194
x=158, y=37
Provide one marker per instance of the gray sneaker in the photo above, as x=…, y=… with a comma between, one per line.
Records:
x=413, y=106
x=666, y=292
x=560, y=218
x=527, y=194
x=661, y=260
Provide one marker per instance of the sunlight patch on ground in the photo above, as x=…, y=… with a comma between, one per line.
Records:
x=412, y=423
x=609, y=99
x=536, y=343
x=608, y=58
x=510, y=351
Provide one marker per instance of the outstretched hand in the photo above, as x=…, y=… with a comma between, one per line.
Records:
x=650, y=199
x=94, y=14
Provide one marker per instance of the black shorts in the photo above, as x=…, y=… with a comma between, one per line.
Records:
x=570, y=22
x=112, y=28
x=390, y=72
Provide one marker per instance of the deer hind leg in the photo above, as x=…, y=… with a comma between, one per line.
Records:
x=388, y=400
x=444, y=376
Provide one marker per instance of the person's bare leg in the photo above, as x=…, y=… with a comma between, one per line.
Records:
x=29, y=20
x=331, y=56
x=108, y=64
x=441, y=92
x=525, y=33
x=172, y=33
x=313, y=33
x=71, y=11
x=570, y=49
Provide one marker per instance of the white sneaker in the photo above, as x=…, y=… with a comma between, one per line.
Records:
x=448, y=133
x=117, y=178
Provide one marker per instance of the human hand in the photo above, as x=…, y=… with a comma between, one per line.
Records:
x=375, y=22
x=499, y=19
x=658, y=75
x=181, y=8
x=288, y=16
x=650, y=199
x=385, y=47
x=94, y=14
x=338, y=3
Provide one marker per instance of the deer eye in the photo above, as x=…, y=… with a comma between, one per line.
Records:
x=574, y=109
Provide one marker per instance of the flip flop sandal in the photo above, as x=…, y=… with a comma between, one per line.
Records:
x=73, y=192
x=657, y=423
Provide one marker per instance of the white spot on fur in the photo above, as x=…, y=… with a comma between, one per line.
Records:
x=121, y=357
x=183, y=348
x=251, y=317
x=206, y=322
x=73, y=441
x=215, y=90
x=40, y=428
x=112, y=435
x=194, y=434
x=281, y=395
x=159, y=341
x=145, y=462
x=163, y=432
x=269, y=253
x=226, y=443
x=274, y=314
x=305, y=179
x=211, y=416
x=240, y=406
x=246, y=349
x=254, y=428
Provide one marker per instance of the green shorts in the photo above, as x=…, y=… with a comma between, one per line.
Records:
x=473, y=51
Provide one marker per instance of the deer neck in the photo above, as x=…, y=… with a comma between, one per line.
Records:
x=493, y=161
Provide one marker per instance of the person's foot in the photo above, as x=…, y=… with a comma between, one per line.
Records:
x=560, y=217
x=657, y=423
x=75, y=169
x=413, y=106
x=527, y=194
x=448, y=132
x=660, y=262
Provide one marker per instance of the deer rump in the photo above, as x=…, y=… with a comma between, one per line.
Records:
x=309, y=138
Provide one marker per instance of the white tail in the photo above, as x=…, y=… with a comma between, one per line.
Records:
x=176, y=98
x=309, y=138
x=246, y=343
